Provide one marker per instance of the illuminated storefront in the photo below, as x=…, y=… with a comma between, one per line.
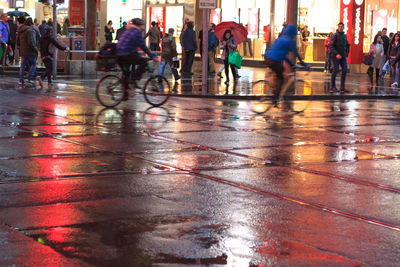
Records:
x=376, y=14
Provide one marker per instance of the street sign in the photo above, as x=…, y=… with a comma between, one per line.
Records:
x=208, y=4
x=78, y=45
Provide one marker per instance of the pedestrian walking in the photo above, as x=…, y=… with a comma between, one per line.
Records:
x=47, y=48
x=328, y=61
x=108, y=31
x=154, y=35
x=28, y=51
x=212, y=48
x=168, y=53
x=377, y=51
x=393, y=54
x=190, y=45
x=339, y=49
x=228, y=44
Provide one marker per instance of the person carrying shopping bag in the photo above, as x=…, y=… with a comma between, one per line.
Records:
x=228, y=44
x=169, y=53
x=377, y=51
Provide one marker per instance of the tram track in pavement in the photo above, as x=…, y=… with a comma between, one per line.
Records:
x=239, y=185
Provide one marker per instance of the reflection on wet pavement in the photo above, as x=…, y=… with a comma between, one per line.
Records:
x=198, y=181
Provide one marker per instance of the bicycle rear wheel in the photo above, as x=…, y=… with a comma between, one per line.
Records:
x=156, y=90
x=265, y=102
x=298, y=98
x=110, y=91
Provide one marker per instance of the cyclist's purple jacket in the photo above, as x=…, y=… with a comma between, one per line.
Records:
x=283, y=45
x=129, y=43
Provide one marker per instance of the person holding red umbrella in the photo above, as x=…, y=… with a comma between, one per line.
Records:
x=228, y=44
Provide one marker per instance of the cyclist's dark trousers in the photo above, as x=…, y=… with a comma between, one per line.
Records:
x=277, y=67
x=134, y=59
x=48, y=62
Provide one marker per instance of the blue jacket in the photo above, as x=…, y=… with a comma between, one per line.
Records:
x=4, y=30
x=129, y=43
x=212, y=41
x=283, y=45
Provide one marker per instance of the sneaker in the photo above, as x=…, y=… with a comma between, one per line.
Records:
x=30, y=82
x=325, y=71
x=333, y=90
x=344, y=90
x=20, y=85
x=39, y=80
x=395, y=84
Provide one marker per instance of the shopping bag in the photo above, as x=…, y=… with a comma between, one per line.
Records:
x=235, y=59
x=368, y=59
x=386, y=66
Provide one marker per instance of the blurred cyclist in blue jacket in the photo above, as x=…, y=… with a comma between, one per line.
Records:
x=278, y=53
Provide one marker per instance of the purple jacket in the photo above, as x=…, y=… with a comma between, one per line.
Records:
x=129, y=43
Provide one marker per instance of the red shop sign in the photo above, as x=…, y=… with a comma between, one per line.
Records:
x=352, y=15
x=157, y=14
x=215, y=16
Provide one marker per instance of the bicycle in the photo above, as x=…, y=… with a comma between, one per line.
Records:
x=110, y=89
x=289, y=95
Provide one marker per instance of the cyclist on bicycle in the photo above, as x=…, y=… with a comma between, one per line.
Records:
x=127, y=52
x=278, y=52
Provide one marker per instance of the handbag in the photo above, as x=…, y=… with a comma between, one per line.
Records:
x=235, y=59
x=368, y=59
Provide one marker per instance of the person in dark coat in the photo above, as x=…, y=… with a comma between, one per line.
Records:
x=394, y=56
x=108, y=31
x=154, y=35
x=26, y=40
x=13, y=38
x=339, y=49
x=190, y=45
x=42, y=26
x=169, y=53
x=385, y=40
x=121, y=30
x=47, y=45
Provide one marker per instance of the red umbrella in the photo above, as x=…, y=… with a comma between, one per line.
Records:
x=238, y=31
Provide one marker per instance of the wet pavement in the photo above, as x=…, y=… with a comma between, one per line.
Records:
x=200, y=181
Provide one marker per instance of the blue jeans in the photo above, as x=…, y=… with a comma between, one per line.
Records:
x=343, y=63
x=396, y=72
x=29, y=61
x=327, y=61
x=163, y=64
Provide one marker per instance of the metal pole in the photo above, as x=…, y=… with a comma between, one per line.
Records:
x=55, y=37
x=84, y=40
x=291, y=14
x=272, y=23
x=204, y=69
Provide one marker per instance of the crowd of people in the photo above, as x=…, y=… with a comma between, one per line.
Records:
x=21, y=41
x=189, y=46
x=384, y=51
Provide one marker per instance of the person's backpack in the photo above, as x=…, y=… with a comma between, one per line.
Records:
x=106, y=60
x=108, y=49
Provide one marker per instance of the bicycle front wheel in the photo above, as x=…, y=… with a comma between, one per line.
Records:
x=156, y=90
x=299, y=97
x=110, y=91
x=265, y=102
